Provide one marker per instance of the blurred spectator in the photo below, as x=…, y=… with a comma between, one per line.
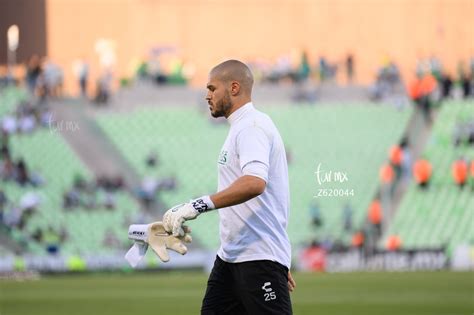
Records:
x=327, y=244
x=37, y=235
x=315, y=215
x=52, y=240
x=24, y=119
x=423, y=92
x=327, y=71
x=394, y=243
x=53, y=78
x=347, y=217
x=304, y=68
x=3, y=203
x=313, y=258
x=88, y=197
x=17, y=215
x=104, y=86
x=386, y=174
x=460, y=172
x=22, y=175
x=422, y=172
x=4, y=151
x=396, y=156
x=387, y=82
x=466, y=86
x=406, y=156
x=446, y=86
x=36, y=179
x=92, y=195
x=71, y=199
x=142, y=70
x=147, y=191
x=428, y=86
x=350, y=68
x=7, y=169
x=9, y=124
x=358, y=239
x=323, y=69
x=463, y=133
x=375, y=216
x=30, y=201
x=152, y=159
x=27, y=123
x=12, y=216
x=414, y=90
x=167, y=183
x=33, y=71
x=108, y=200
x=435, y=67
x=81, y=71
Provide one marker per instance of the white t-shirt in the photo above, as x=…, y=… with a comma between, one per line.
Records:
x=256, y=229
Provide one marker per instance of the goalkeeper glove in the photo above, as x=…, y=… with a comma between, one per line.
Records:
x=174, y=218
x=154, y=234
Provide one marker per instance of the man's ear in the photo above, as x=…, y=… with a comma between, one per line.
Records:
x=234, y=88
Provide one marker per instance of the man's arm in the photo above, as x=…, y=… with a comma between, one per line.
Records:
x=243, y=189
x=254, y=148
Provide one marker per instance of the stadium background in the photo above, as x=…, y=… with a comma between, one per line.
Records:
x=139, y=139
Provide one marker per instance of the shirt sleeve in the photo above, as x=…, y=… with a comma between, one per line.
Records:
x=253, y=145
x=256, y=169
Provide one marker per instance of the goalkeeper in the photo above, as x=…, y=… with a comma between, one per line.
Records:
x=251, y=271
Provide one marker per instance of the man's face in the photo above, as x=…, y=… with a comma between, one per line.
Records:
x=218, y=97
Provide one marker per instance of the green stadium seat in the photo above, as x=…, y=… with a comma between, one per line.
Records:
x=443, y=214
x=188, y=144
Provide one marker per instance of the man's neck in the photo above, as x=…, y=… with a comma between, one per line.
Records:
x=237, y=105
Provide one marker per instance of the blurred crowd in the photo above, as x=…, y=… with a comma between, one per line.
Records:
x=432, y=85
x=164, y=65
x=286, y=69
x=44, y=79
x=91, y=195
x=24, y=188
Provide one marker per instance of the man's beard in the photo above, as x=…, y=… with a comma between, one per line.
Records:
x=222, y=107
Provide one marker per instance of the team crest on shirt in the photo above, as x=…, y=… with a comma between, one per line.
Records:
x=222, y=157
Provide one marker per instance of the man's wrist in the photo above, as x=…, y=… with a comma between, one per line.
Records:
x=203, y=204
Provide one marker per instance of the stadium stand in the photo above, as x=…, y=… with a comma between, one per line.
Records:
x=442, y=214
x=349, y=138
x=45, y=152
x=352, y=139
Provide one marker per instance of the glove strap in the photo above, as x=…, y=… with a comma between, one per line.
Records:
x=138, y=232
x=203, y=204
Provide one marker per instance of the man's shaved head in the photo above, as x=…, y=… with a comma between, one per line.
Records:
x=234, y=70
x=229, y=88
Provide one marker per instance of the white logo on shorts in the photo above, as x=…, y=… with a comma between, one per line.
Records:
x=269, y=294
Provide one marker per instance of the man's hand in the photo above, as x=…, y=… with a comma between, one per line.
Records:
x=160, y=240
x=175, y=217
x=291, y=282
x=154, y=235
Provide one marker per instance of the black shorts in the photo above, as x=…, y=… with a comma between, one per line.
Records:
x=253, y=287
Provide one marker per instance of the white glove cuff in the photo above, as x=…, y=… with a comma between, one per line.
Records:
x=138, y=232
x=203, y=204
